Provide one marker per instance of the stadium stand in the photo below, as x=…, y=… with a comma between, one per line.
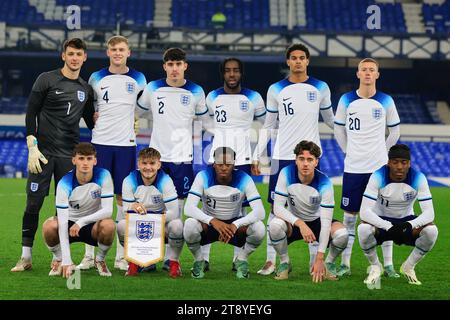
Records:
x=433, y=16
x=429, y=157
x=95, y=12
x=436, y=16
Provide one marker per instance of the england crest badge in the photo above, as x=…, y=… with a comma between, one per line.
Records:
x=157, y=199
x=129, y=87
x=345, y=201
x=314, y=200
x=243, y=105
x=408, y=196
x=185, y=100
x=145, y=230
x=96, y=194
x=81, y=95
x=311, y=96
x=34, y=186
x=377, y=113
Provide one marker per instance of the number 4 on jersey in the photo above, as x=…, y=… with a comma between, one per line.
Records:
x=105, y=96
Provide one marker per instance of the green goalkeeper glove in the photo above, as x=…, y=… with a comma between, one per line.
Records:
x=34, y=156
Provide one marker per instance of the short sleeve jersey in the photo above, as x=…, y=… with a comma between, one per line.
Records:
x=365, y=122
x=173, y=110
x=233, y=118
x=115, y=99
x=298, y=106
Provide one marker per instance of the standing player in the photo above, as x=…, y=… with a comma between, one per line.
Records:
x=233, y=108
x=310, y=198
x=58, y=100
x=387, y=213
x=222, y=191
x=360, y=125
x=116, y=91
x=84, y=202
x=174, y=103
x=296, y=102
x=151, y=189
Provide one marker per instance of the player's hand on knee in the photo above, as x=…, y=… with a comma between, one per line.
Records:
x=255, y=168
x=307, y=234
x=138, y=208
x=74, y=230
x=224, y=230
x=34, y=156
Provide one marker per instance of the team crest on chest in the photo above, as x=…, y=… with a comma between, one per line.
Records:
x=314, y=200
x=377, y=113
x=185, y=99
x=311, y=96
x=129, y=87
x=408, y=196
x=243, y=105
x=96, y=194
x=157, y=199
x=235, y=197
x=145, y=230
x=81, y=95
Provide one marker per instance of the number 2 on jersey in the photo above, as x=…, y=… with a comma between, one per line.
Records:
x=161, y=106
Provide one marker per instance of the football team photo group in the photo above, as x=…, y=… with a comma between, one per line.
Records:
x=145, y=213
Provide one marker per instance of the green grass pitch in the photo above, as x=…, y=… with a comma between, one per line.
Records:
x=219, y=283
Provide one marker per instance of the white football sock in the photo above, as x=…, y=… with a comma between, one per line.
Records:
x=387, y=248
x=26, y=252
x=349, y=223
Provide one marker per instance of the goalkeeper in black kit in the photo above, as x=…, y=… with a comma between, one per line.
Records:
x=58, y=100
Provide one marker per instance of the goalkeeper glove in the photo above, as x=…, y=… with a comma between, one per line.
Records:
x=34, y=156
x=400, y=232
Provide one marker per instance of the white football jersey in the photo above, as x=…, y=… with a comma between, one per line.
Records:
x=365, y=123
x=221, y=201
x=396, y=199
x=153, y=197
x=173, y=110
x=115, y=100
x=304, y=201
x=233, y=117
x=83, y=200
x=298, y=106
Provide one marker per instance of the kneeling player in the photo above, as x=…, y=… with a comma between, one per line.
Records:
x=222, y=191
x=151, y=189
x=84, y=203
x=387, y=214
x=310, y=199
